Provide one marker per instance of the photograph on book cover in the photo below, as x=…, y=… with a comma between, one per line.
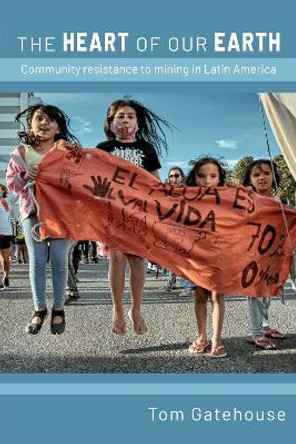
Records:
x=180, y=207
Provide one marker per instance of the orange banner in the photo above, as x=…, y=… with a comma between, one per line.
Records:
x=224, y=239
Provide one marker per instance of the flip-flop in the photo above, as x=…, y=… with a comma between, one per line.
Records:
x=274, y=334
x=218, y=352
x=263, y=343
x=198, y=349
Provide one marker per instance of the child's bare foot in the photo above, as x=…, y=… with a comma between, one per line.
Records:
x=119, y=327
x=140, y=326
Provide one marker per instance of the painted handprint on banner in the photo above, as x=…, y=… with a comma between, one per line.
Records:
x=101, y=186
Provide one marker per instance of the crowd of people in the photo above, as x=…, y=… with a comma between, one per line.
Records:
x=135, y=133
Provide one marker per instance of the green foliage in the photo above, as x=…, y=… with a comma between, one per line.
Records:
x=237, y=174
x=288, y=184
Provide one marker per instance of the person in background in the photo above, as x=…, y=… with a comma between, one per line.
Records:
x=21, y=248
x=5, y=236
x=176, y=178
x=72, y=293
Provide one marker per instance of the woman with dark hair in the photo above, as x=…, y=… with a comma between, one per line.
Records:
x=5, y=236
x=262, y=176
x=46, y=124
x=135, y=133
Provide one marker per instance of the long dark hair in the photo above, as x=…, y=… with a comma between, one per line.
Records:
x=198, y=163
x=53, y=113
x=150, y=124
x=256, y=163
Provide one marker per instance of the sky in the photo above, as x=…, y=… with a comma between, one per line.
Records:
x=224, y=125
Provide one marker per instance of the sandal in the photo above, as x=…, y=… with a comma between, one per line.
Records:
x=274, y=334
x=34, y=328
x=218, y=352
x=198, y=348
x=263, y=343
x=57, y=329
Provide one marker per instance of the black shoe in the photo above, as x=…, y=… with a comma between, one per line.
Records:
x=2, y=287
x=5, y=281
x=33, y=329
x=71, y=295
x=57, y=329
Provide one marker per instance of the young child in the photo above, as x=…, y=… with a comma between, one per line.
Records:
x=134, y=133
x=46, y=124
x=207, y=172
x=263, y=177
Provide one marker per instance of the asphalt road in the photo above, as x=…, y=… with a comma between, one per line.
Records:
x=89, y=346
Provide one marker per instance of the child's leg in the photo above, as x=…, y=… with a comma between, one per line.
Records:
x=218, y=310
x=201, y=299
x=117, y=264
x=256, y=311
x=37, y=264
x=265, y=307
x=137, y=281
x=269, y=332
x=59, y=249
x=258, y=321
x=5, y=260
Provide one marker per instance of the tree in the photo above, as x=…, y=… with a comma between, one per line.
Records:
x=237, y=174
x=287, y=184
